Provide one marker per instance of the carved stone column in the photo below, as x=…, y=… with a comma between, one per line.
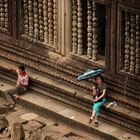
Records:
x=36, y=20
x=132, y=43
x=6, y=14
x=26, y=18
x=74, y=26
x=45, y=14
x=95, y=33
x=41, y=22
x=89, y=29
x=80, y=26
x=55, y=21
x=50, y=21
x=127, y=42
x=2, y=14
x=31, y=19
x=137, y=70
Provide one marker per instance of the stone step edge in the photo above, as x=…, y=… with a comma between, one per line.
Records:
x=71, y=122
x=70, y=60
x=62, y=118
x=62, y=90
x=121, y=101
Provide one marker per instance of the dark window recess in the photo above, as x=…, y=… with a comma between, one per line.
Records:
x=101, y=11
x=101, y=24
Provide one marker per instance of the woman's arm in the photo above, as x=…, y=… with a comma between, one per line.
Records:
x=24, y=84
x=100, y=97
x=94, y=92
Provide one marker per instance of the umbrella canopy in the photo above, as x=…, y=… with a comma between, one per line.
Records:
x=90, y=73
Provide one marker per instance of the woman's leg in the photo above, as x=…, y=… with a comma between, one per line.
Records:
x=9, y=95
x=19, y=91
x=93, y=114
x=96, y=108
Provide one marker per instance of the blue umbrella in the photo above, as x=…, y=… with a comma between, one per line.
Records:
x=90, y=73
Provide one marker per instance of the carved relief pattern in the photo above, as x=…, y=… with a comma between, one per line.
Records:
x=40, y=20
x=26, y=18
x=132, y=42
x=89, y=29
x=4, y=14
x=55, y=21
x=45, y=14
x=127, y=42
x=74, y=26
x=31, y=19
x=50, y=21
x=36, y=20
x=95, y=34
x=80, y=26
x=137, y=69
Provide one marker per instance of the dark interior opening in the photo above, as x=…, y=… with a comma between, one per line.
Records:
x=122, y=40
x=84, y=17
x=101, y=11
x=101, y=15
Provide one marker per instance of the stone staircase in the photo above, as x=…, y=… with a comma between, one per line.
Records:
x=57, y=81
x=48, y=106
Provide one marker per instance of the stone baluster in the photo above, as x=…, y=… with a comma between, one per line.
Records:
x=50, y=21
x=132, y=43
x=127, y=43
x=2, y=9
x=55, y=21
x=74, y=26
x=36, y=21
x=41, y=21
x=6, y=14
x=0, y=12
x=89, y=29
x=31, y=19
x=45, y=14
x=95, y=33
x=137, y=69
x=26, y=17
x=80, y=30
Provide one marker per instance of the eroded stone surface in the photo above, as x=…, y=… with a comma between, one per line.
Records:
x=29, y=116
x=3, y=123
x=17, y=132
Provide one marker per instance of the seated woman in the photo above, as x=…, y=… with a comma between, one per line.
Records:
x=99, y=93
x=21, y=86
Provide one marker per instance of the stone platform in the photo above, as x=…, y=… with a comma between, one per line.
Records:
x=76, y=119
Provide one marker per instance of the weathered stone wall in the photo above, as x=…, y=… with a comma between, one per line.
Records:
x=74, y=27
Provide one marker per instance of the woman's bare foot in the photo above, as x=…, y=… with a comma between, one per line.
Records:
x=90, y=121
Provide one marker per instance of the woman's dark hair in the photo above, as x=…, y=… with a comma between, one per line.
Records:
x=100, y=77
x=21, y=67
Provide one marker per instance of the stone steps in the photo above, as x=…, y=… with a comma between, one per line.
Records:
x=69, y=115
x=82, y=65
x=72, y=81
x=41, y=74
x=40, y=86
x=122, y=95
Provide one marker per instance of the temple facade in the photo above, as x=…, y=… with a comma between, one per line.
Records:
x=94, y=33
